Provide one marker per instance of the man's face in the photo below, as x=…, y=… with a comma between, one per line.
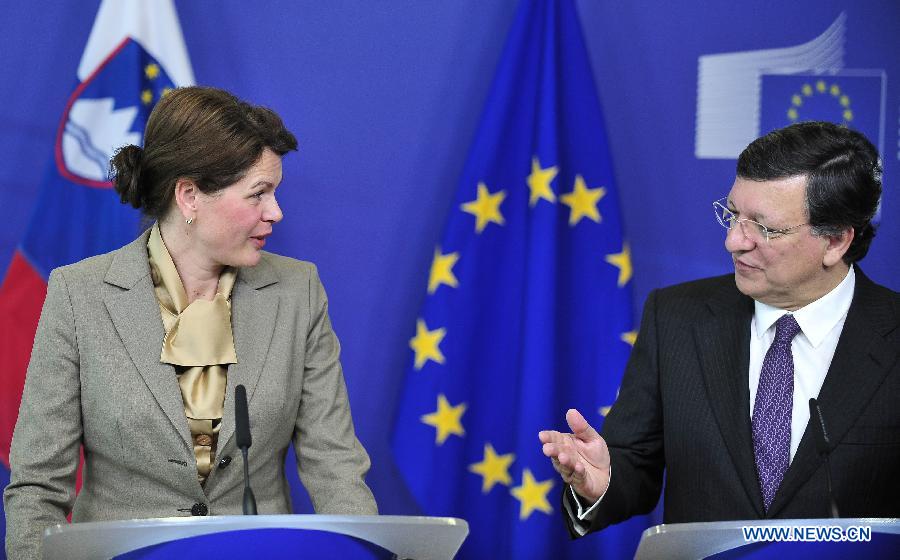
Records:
x=789, y=271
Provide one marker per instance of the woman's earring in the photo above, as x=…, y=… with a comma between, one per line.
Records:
x=189, y=221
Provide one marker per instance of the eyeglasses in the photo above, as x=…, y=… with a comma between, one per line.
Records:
x=754, y=231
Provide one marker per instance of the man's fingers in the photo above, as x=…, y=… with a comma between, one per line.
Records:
x=579, y=426
x=551, y=436
x=564, y=470
x=579, y=457
x=548, y=450
x=565, y=450
x=563, y=445
x=571, y=471
x=577, y=476
x=562, y=458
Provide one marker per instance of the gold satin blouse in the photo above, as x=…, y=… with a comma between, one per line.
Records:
x=199, y=344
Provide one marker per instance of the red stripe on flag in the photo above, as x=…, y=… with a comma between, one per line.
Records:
x=21, y=298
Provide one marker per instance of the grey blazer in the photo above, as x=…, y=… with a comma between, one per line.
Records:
x=95, y=380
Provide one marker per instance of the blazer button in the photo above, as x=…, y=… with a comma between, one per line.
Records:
x=224, y=461
x=199, y=509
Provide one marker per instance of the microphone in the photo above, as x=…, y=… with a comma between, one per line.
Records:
x=823, y=447
x=242, y=436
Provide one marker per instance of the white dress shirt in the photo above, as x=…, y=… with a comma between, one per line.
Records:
x=821, y=323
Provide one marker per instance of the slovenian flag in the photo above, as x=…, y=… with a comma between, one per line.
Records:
x=134, y=55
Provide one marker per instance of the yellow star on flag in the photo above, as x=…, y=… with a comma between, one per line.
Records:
x=539, y=182
x=629, y=337
x=622, y=261
x=485, y=208
x=146, y=96
x=426, y=344
x=494, y=468
x=532, y=495
x=604, y=410
x=583, y=201
x=446, y=419
x=442, y=270
x=151, y=71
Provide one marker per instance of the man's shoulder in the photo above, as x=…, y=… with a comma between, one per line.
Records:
x=869, y=286
x=876, y=300
x=694, y=300
x=701, y=289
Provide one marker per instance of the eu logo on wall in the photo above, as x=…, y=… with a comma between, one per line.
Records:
x=743, y=95
x=851, y=99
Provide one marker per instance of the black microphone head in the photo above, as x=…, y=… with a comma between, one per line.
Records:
x=241, y=418
x=819, y=432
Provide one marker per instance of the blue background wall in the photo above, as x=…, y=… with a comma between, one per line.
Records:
x=385, y=97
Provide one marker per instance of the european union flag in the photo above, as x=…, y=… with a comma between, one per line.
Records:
x=528, y=310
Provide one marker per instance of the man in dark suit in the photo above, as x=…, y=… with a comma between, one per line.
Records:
x=715, y=395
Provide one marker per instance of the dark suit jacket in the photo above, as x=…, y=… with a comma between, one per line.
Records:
x=684, y=407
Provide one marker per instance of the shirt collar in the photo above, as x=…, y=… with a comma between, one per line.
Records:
x=165, y=275
x=816, y=319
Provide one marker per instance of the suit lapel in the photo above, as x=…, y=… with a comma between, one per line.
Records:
x=861, y=361
x=253, y=315
x=134, y=310
x=723, y=343
x=130, y=300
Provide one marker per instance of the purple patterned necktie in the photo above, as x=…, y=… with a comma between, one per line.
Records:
x=772, y=410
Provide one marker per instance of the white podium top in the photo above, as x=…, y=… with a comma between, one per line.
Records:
x=425, y=538
x=699, y=540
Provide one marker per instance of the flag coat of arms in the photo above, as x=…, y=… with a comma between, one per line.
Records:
x=528, y=306
x=135, y=53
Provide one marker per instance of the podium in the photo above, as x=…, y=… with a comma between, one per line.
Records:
x=421, y=538
x=726, y=539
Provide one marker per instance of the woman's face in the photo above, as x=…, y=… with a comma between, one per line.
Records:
x=232, y=224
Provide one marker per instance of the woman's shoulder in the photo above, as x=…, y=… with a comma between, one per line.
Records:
x=281, y=262
x=278, y=268
x=287, y=265
x=128, y=261
x=86, y=270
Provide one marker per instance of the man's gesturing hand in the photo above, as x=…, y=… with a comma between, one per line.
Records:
x=581, y=458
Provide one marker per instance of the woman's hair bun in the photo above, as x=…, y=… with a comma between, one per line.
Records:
x=125, y=172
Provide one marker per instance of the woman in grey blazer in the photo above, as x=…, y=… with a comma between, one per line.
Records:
x=138, y=351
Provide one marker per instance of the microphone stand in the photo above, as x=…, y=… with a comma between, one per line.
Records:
x=823, y=446
x=249, y=505
x=244, y=440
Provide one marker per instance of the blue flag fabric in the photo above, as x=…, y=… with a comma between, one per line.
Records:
x=528, y=309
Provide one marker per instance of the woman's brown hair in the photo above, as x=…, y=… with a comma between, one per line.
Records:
x=203, y=134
